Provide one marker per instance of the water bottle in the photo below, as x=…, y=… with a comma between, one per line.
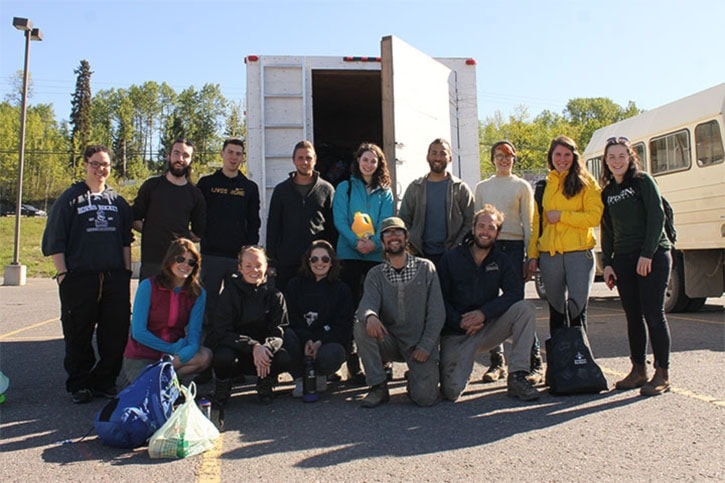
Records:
x=309, y=382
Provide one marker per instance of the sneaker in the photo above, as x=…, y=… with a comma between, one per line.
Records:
x=378, y=395
x=298, y=391
x=519, y=387
x=82, y=396
x=265, y=390
x=108, y=393
x=497, y=370
x=321, y=383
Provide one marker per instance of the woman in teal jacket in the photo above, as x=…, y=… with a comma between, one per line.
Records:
x=366, y=192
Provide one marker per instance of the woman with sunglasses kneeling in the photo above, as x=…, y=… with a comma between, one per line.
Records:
x=321, y=315
x=167, y=316
x=247, y=329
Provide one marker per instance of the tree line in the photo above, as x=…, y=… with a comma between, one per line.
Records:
x=137, y=123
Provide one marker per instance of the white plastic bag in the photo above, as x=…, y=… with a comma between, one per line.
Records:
x=186, y=433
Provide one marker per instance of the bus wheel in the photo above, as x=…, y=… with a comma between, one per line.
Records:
x=539, y=284
x=675, y=298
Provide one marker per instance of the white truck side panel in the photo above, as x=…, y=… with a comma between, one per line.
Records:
x=280, y=114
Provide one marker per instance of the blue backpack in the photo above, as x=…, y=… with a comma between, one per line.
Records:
x=134, y=415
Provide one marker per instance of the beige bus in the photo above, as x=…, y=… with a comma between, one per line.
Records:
x=681, y=145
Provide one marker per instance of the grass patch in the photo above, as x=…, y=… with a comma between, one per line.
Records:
x=31, y=234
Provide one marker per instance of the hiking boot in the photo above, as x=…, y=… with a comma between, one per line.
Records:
x=82, y=396
x=217, y=416
x=378, y=395
x=265, y=389
x=637, y=377
x=659, y=384
x=321, y=383
x=497, y=370
x=536, y=374
x=298, y=391
x=388, y=367
x=519, y=387
x=222, y=391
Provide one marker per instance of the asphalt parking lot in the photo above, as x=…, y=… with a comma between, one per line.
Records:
x=485, y=436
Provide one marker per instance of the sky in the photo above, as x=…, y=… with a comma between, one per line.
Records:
x=532, y=53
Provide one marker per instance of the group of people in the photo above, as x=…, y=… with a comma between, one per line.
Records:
x=432, y=287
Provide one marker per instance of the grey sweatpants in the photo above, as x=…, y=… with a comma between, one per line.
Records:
x=422, y=376
x=568, y=280
x=459, y=351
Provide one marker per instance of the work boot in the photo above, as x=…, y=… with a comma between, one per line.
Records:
x=355, y=375
x=519, y=387
x=265, y=389
x=536, y=374
x=637, y=377
x=378, y=395
x=659, y=384
x=497, y=370
x=222, y=391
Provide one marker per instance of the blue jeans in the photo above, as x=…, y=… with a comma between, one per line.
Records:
x=643, y=301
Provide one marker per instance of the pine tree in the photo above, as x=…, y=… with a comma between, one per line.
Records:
x=80, y=116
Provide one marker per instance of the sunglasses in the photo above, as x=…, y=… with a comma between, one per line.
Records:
x=189, y=261
x=324, y=258
x=96, y=165
x=617, y=140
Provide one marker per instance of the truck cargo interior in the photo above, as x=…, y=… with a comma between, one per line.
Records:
x=343, y=120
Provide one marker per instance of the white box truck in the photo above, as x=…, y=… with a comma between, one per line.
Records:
x=682, y=145
x=400, y=100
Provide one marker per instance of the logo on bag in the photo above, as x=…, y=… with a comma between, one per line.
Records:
x=579, y=359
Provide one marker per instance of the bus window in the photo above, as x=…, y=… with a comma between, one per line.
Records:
x=670, y=152
x=639, y=149
x=708, y=144
x=594, y=165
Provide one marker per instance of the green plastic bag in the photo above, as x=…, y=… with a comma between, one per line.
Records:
x=186, y=433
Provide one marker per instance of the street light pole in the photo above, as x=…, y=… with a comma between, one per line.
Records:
x=15, y=273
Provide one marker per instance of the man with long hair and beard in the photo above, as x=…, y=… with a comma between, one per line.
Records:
x=166, y=206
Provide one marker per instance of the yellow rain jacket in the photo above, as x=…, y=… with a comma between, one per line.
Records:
x=579, y=215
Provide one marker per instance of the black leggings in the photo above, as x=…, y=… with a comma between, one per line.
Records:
x=643, y=300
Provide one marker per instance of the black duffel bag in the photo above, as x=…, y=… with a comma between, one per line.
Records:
x=570, y=364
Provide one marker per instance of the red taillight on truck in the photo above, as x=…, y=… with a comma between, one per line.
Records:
x=470, y=61
x=251, y=58
x=353, y=58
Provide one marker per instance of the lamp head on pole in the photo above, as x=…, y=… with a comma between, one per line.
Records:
x=22, y=23
x=36, y=34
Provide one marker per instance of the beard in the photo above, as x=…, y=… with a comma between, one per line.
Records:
x=395, y=250
x=483, y=244
x=178, y=172
x=437, y=168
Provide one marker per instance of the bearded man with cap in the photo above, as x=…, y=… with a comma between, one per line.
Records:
x=400, y=318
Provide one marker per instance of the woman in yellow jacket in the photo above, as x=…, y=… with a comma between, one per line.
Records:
x=572, y=207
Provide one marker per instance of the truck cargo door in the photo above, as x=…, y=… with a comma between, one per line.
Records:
x=417, y=95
